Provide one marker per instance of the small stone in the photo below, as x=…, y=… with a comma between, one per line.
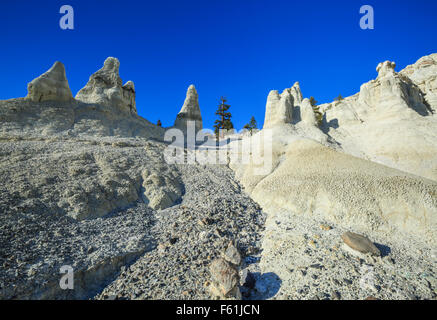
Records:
x=317, y=266
x=360, y=243
x=335, y=295
x=232, y=254
x=325, y=227
x=371, y=298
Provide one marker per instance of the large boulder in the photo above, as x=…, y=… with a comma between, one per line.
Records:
x=190, y=111
x=50, y=86
x=106, y=88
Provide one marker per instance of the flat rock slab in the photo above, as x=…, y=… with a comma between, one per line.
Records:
x=360, y=243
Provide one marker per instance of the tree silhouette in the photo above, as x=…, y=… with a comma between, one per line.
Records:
x=224, y=120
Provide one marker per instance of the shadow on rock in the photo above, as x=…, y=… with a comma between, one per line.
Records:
x=385, y=251
x=266, y=286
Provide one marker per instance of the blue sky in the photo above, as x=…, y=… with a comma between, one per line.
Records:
x=241, y=49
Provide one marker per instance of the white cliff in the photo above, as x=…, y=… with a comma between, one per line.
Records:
x=389, y=121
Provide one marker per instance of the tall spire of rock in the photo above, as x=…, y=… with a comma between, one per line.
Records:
x=296, y=93
x=50, y=86
x=105, y=87
x=190, y=111
x=279, y=108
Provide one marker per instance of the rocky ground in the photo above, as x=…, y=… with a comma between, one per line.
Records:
x=171, y=248
x=307, y=259
x=190, y=236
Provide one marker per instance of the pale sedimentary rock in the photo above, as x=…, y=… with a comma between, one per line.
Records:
x=289, y=107
x=390, y=120
x=279, y=108
x=296, y=93
x=424, y=74
x=307, y=115
x=190, y=111
x=106, y=88
x=386, y=68
x=50, y=86
x=392, y=94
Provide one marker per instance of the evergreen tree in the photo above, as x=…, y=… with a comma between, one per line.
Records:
x=224, y=120
x=339, y=98
x=313, y=102
x=316, y=109
x=251, y=125
x=159, y=124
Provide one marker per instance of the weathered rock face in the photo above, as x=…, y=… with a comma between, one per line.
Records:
x=386, y=68
x=50, y=86
x=296, y=93
x=424, y=74
x=106, y=88
x=390, y=95
x=307, y=113
x=190, y=111
x=289, y=107
x=390, y=121
x=279, y=108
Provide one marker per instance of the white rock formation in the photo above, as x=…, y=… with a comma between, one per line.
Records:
x=106, y=88
x=389, y=121
x=390, y=95
x=296, y=93
x=424, y=74
x=279, y=108
x=289, y=107
x=307, y=115
x=50, y=86
x=190, y=111
x=386, y=68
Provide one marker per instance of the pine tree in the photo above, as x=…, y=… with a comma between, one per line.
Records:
x=159, y=124
x=339, y=98
x=251, y=125
x=316, y=109
x=313, y=102
x=224, y=121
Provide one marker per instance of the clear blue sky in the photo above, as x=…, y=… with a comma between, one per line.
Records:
x=241, y=49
